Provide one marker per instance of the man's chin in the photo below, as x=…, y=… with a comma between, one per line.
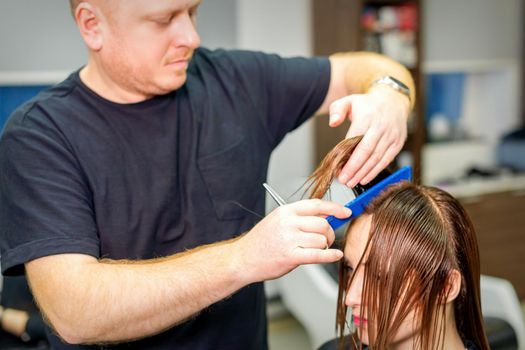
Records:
x=172, y=84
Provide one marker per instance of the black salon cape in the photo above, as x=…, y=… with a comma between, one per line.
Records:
x=80, y=174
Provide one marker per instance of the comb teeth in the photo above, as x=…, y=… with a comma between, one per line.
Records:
x=358, y=204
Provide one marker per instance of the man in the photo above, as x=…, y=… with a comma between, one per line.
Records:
x=126, y=189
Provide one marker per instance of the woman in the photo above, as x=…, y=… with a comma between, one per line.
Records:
x=410, y=275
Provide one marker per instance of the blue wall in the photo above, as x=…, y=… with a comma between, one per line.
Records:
x=445, y=95
x=13, y=96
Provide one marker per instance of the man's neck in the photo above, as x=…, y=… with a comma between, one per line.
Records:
x=99, y=82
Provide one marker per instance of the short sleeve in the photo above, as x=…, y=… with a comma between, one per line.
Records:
x=287, y=91
x=45, y=202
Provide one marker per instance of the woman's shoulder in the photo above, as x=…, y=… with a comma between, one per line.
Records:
x=334, y=344
x=329, y=345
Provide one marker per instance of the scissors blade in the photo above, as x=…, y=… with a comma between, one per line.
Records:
x=278, y=199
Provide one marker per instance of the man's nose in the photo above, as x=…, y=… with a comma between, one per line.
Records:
x=186, y=33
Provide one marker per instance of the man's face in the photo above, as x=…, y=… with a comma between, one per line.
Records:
x=147, y=45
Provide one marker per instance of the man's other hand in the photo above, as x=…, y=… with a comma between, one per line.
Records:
x=381, y=117
x=291, y=235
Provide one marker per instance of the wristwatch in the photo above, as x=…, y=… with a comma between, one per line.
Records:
x=393, y=83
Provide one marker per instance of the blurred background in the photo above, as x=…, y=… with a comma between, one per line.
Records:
x=466, y=133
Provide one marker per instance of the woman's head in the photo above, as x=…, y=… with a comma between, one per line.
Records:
x=411, y=266
x=416, y=267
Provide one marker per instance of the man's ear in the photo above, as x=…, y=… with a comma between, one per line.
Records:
x=453, y=285
x=88, y=18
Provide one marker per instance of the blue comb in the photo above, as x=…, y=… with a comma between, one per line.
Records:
x=358, y=204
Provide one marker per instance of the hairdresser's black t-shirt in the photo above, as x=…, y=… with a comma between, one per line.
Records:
x=80, y=174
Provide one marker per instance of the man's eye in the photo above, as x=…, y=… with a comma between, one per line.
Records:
x=162, y=20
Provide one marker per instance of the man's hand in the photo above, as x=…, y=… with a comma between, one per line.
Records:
x=378, y=112
x=381, y=116
x=291, y=235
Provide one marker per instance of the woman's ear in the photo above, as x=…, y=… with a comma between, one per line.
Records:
x=453, y=285
x=88, y=18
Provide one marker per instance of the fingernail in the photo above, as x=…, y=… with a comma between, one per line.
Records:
x=344, y=178
x=348, y=212
x=339, y=254
x=333, y=118
x=351, y=183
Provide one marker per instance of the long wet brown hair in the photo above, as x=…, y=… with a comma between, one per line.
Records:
x=418, y=236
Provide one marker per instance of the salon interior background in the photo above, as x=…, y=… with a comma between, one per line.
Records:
x=482, y=39
x=39, y=44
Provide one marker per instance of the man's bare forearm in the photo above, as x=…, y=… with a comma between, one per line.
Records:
x=363, y=68
x=354, y=73
x=99, y=301
x=91, y=301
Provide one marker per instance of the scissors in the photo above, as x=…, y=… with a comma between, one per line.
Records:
x=364, y=194
x=278, y=199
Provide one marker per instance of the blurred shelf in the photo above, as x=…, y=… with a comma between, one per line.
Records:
x=338, y=26
x=389, y=2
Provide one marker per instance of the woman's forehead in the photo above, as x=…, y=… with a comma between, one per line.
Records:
x=357, y=238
